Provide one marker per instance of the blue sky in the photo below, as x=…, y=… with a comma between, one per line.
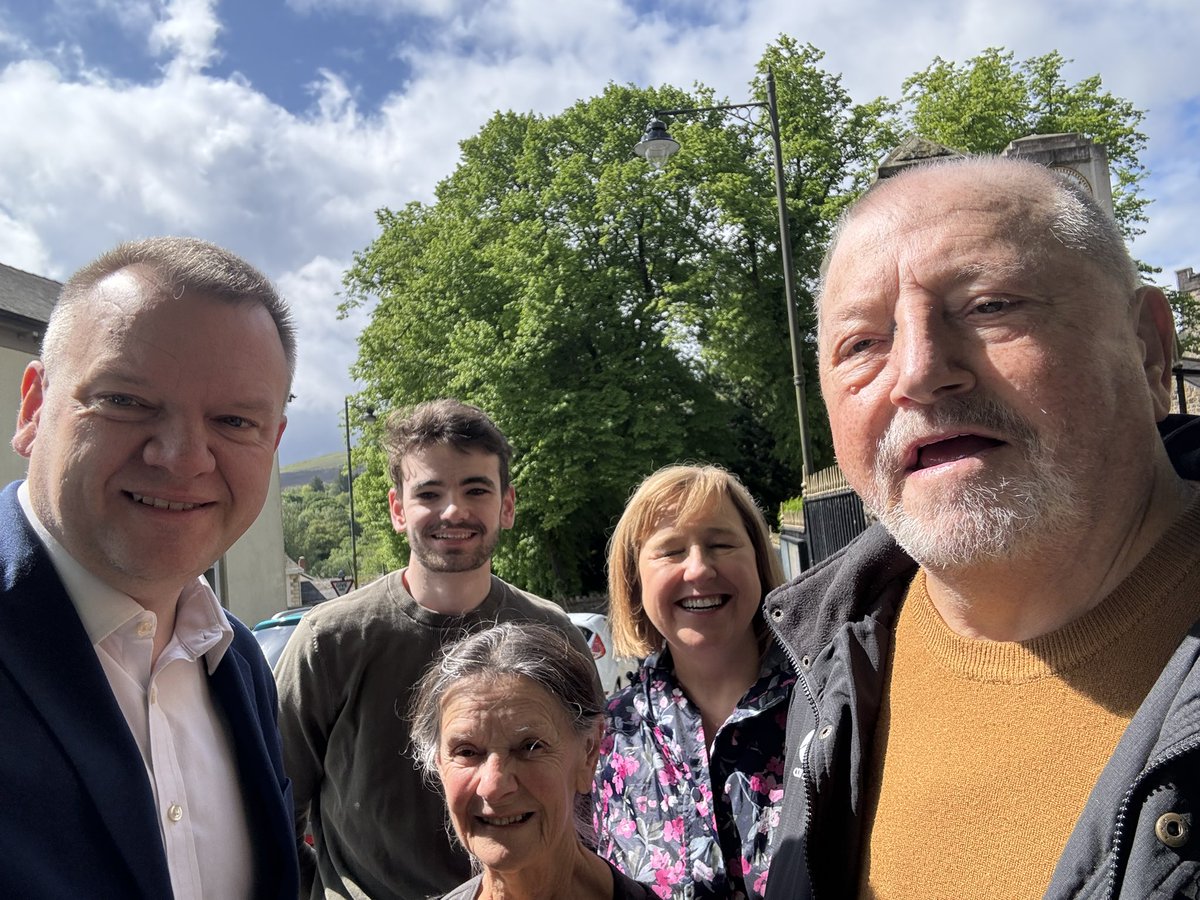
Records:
x=278, y=127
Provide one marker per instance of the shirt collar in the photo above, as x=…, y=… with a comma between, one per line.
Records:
x=200, y=623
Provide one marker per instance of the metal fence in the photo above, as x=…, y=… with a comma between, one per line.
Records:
x=832, y=517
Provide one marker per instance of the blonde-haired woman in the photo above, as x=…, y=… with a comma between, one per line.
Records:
x=690, y=776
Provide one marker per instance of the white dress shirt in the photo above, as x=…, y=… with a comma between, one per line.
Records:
x=184, y=739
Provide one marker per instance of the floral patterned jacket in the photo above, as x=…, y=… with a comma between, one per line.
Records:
x=691, y=824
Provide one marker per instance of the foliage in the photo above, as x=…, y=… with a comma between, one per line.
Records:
x=613, y=320
x=990, y=100
x=791, y=505
x=1187, y=319
x=316, y=526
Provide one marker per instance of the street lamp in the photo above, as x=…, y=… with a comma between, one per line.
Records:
x=657, y=146
x=370, y=417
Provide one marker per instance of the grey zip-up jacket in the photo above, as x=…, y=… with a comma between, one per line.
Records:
x=1139, y=834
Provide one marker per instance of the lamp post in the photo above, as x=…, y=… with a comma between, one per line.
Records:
x=350, y=488
x=657, y=146
x=368, y=415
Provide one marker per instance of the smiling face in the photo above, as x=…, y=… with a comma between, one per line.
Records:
x=151, y=442
x=986, y=387
x=699, y=581
x=512, y=765
x=452, y=508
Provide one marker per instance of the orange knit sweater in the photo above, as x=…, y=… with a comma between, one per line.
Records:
x=986, y=751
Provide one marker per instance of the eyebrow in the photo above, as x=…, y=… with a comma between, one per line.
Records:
x=114, y=379
x=441, y=482
x=714, y=531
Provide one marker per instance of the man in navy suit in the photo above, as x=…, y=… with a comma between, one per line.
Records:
x=139, y=755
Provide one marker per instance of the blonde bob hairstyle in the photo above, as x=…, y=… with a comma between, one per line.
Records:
x=681, y=493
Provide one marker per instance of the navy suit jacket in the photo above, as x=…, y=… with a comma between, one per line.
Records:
x=77, y=817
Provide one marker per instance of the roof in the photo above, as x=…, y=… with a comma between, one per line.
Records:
x=912, y=151
x=28, y=296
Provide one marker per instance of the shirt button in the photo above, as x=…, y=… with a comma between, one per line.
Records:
x=174, y=812
x=145, y=628
x=153, y=695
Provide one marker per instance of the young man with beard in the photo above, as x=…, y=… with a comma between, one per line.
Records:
x=346, y=676
x=999, y=692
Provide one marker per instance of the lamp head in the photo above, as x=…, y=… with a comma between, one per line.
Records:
x=656, y=145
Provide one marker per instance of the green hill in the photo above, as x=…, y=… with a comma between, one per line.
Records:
x=326, y=467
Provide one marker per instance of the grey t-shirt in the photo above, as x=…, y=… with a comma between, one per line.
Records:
x=345, y=680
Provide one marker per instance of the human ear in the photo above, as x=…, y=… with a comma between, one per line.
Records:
x=1156, y=330
x=508, y=507
x=33, y=394
x=396, y=510
x=587, y=770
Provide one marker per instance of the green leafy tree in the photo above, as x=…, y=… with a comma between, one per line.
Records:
x=613, y=320
x=610, y=319
x=981, y=105
x=316, y=525
x=1187, y=318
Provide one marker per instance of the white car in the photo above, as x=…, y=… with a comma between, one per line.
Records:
x=596, y=633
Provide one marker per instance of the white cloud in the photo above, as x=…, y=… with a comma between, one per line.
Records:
x=187, y=33
x=314, y=291
x=23, y=249
x=90, y=160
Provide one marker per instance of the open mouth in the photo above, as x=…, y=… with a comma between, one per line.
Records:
x=457, y=534
x=703, y=604
x=160, y=503
x=951, y=449
x=503, y=821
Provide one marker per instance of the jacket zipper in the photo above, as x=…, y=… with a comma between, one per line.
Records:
x=802, y=754
x=1118, y=851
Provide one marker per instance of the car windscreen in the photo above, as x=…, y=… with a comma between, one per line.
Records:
x=272, y=641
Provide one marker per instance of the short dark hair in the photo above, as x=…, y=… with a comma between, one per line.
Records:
x=182, y=265
x=460, y=425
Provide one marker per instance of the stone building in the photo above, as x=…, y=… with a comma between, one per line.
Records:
x=1187, y=370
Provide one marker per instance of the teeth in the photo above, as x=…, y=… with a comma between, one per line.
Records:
x=453, y=535
x=699, y=603
x=505, y=820
x=159, y=503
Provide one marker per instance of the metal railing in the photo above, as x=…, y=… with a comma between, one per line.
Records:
x=833, y=516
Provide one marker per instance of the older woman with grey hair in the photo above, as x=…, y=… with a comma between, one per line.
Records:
x=509, y=722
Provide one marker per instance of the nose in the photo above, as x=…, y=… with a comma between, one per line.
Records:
x=495, y=779
x=180, y=447
x=453, y=510
x=928, y=356
x=697, y=565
